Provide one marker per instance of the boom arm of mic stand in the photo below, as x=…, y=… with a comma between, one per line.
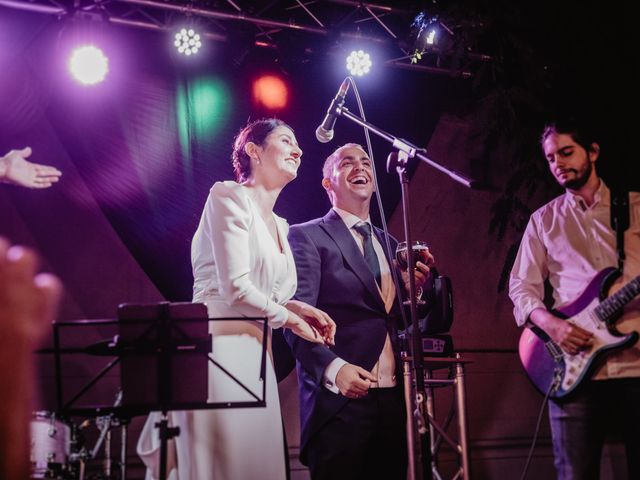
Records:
x=408, y=148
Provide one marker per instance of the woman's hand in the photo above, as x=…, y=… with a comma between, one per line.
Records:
x=319, y=322
x=303, y=329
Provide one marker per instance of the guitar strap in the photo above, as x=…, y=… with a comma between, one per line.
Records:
x=620, y=220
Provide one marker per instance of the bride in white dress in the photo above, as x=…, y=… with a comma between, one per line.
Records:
x=242, y=266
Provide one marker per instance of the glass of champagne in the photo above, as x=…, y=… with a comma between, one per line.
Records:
x=420, y=254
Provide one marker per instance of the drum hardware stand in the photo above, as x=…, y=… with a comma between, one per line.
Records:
x=413, y=370
x=83, y=456
x=105, y=424
x=79, y=454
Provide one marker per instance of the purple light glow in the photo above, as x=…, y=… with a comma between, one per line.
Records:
x=88, y=65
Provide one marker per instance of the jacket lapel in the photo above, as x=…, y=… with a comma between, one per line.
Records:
x=338, y=231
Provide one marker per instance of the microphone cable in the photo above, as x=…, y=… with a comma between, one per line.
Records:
x=383, y=220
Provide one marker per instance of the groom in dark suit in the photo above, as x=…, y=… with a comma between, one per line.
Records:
x=351, y=403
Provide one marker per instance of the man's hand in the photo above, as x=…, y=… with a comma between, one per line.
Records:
x=421, y=275
x=354, y=381
x=571, y=338
x=15, y=169
x=421, y=272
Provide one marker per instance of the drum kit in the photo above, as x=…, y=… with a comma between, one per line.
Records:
x=50, y=446
x=59, y=448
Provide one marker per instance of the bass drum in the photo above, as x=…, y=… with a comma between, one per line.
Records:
x=50, y=445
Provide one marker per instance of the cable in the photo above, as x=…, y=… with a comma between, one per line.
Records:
x=553, y=386
x=383, y=220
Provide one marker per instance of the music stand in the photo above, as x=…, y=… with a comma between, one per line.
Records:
x=160, y=338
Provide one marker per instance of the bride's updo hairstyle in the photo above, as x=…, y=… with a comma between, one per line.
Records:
x=256, y=132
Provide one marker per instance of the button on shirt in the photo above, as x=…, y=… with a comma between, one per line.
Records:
x=570, y=242
x=384, y=369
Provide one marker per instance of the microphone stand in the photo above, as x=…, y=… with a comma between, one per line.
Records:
x=413, y=371
x=406, y=147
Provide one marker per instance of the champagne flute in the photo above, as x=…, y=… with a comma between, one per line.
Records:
x=420, y=254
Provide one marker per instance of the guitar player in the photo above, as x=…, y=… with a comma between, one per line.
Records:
x=566, y=243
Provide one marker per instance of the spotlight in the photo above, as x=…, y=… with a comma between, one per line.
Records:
x=270, y=91
x=428, y=32
x=187, y=41
x=431, y=37
x=88, y=65
x=359, y=63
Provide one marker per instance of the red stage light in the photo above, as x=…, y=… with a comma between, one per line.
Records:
x=271, y=92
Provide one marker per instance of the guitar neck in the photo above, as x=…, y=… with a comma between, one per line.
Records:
x=613, y=305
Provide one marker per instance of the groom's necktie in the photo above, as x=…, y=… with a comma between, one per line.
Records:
x=370, y=256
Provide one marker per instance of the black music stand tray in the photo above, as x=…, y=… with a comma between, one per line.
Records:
x=154, y=342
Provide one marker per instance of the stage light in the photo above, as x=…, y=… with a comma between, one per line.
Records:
x=88, y=65
x=359, y=63
x=270, y=91
x=202, y=108
x=431, y=37
x=187, y=41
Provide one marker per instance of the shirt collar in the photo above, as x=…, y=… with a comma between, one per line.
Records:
x=602, y=196
x=349, y=219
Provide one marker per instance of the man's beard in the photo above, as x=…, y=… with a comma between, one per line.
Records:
x=580, y=180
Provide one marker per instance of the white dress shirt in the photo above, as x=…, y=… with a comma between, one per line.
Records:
x=384, y=369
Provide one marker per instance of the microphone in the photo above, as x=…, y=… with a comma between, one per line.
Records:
x=324, y=133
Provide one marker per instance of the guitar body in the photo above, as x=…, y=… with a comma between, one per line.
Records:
x=549, y=367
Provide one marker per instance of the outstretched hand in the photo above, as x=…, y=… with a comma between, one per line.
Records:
x=321, y=325
x=15, y=169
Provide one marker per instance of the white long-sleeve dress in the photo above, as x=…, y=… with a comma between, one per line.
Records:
x=239, y=270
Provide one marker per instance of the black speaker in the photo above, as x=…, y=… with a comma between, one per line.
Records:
x=439, y=298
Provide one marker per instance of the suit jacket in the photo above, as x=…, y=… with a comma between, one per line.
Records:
x=333, y=276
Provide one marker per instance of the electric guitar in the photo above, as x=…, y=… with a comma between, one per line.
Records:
x=553, y=370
